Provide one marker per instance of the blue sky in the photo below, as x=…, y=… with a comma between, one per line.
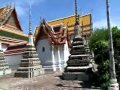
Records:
x=54, y=9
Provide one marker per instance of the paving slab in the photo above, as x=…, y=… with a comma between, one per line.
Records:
x=43, y=82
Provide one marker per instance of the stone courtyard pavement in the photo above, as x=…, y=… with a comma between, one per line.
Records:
x=43, y=82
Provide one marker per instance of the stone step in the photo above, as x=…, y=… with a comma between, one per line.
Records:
x=30, y=73
x=4, y=67
x=78, y=61
x=78, y=46
x=77, y=52
x=32, y=59
x=83, y=67
x=82, y=55
x=32, y=67
x=75, y=76
x=77, y=43
x=78, y=39
x=29, y=64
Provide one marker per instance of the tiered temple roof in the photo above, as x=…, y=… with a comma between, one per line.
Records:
x=60, y=30
x=10, y=28
x=69, y=22
x=16, y=49
x=56, y=35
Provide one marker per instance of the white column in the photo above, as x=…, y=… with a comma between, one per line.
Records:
x=64, y=49
x=53, y=59
x=66, y=53
x=59, y=59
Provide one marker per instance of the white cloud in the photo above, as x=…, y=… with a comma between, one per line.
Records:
x=23, y=5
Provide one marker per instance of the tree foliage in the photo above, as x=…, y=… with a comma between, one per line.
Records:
x=99, y=43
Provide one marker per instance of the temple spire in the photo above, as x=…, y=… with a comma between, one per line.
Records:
x=30, y=65
x=30, y=22
x=77, y=25
x=30, y=26
x=78, y=65
x=76, y=14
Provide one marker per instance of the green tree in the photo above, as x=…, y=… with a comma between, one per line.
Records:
x=99, y=44
x=116, y=42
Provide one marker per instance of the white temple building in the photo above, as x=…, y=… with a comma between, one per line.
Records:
x=52, y=47
x=12, y=38
x=53, y=40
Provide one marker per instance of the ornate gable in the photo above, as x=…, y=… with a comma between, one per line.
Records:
x=40, y=32
x=10, y=29
x=8, y=18
x=56, y=35
x=13, y=21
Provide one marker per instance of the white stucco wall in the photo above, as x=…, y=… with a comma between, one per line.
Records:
x=13, y=61
x=46, y=55
x=66, y=53
x=60, y=57
x=56, y=56
x=62, y=54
